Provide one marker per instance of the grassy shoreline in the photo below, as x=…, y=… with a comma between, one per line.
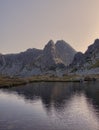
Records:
x=10, y=82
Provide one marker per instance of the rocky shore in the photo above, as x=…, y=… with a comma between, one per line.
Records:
x=13, y=81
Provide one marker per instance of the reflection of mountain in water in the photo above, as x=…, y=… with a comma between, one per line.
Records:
x=57, y=94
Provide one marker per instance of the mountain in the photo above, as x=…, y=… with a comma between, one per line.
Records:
x=13, y=64
x=50, y=59
x=87, y=62
x=36, y=61
x=65, y=51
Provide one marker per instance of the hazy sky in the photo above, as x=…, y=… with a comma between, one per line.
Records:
x=32, y=23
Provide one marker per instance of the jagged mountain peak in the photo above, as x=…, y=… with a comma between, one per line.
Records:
x=93, y=47
x=62, y=44
x=88, y=61
x=35, y=61
x=65, y=51
x=50, y=43
x=49, y=47
x=95, y=44
x=96, y=41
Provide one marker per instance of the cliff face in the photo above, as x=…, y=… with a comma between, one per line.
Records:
x=35, y=61
x=65, y=51
x=88, y=61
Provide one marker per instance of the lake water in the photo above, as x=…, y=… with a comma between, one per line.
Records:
x=50, y=106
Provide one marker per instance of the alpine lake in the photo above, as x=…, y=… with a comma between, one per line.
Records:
x=50, y=106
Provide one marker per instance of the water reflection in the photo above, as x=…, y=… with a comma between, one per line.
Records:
x=50, y=106
x=57, y=94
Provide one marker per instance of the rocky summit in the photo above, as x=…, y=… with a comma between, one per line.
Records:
x=87, y=63
x=54, y=57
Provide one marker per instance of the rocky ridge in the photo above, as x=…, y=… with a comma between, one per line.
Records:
x=52, y=58
x=87, y=63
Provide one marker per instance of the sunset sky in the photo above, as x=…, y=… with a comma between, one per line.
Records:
x=32, y=23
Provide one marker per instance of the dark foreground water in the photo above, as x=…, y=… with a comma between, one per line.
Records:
x=50, y=106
